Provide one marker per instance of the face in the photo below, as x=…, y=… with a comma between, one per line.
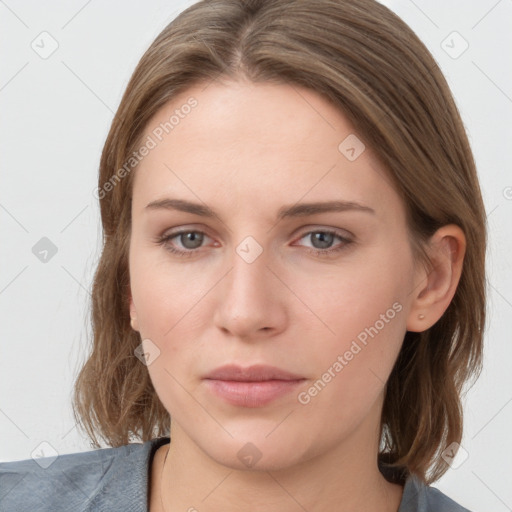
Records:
x=323, y=295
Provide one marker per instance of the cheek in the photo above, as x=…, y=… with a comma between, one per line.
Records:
x=165, y=295
x=170, y=309
x=343, y=303
x=359, y=318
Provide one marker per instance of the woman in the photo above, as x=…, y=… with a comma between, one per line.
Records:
x=292, y=284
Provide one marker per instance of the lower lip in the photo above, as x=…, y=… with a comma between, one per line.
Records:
x=251, y=394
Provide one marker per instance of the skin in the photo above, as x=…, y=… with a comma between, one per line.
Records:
x=247, y=150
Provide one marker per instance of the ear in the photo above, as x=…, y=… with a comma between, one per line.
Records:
x=133, y=314
x=434, y=290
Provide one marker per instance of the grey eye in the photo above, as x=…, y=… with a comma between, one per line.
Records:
x=191, y=239
x=322, y=238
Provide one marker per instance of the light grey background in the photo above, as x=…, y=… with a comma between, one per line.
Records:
x=56, y=112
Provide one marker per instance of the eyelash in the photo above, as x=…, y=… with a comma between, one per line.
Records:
x=162, y=240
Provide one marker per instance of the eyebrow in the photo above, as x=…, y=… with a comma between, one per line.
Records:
x=296, y=210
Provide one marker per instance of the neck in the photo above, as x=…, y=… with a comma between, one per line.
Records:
x=343, y=478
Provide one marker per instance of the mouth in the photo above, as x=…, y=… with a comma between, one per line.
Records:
x=254, y=386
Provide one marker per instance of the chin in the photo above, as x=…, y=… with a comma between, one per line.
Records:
x=258, y=455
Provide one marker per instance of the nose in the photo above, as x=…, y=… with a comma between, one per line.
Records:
x=251, y=298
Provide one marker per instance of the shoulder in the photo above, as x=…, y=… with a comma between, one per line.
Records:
x=419, y=497
x=94, y=480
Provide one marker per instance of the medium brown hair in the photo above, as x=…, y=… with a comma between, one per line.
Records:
x=365, y=60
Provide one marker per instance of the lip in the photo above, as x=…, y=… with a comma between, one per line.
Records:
x=254, y=373
x=254, y=386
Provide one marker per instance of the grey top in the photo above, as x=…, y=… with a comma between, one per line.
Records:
x=118, y=478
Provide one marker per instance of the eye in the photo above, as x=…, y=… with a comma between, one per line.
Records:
x=191, y=240
x=322, y=240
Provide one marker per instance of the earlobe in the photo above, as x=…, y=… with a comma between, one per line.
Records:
x=133, y=315
x=435, y=289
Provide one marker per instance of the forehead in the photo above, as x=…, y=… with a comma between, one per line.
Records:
x=245, y=117
x=242, y=142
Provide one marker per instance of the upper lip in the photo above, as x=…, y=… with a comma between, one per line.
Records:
x=255, y=373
